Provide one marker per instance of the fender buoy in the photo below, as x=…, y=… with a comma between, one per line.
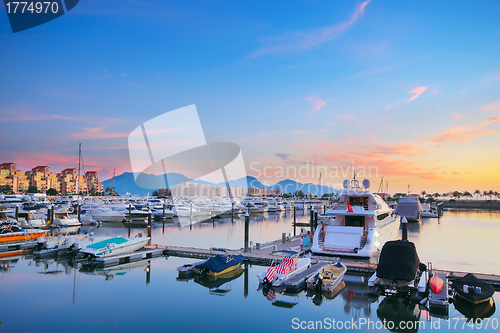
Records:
x=436, y=284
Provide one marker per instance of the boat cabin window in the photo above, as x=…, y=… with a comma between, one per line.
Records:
x=359, y=201
x=354, y=221
x=382, y=216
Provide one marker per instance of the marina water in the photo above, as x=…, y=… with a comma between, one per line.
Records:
x=51, y=296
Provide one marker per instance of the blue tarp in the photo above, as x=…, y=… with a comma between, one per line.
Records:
x=219, y=263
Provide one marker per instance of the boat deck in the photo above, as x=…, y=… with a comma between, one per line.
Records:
x=299, y=280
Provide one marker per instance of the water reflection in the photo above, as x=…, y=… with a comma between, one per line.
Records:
x=400, y=314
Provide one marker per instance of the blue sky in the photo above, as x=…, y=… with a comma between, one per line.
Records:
x=408, y=87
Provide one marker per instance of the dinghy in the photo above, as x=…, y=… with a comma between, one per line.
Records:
x=472, y=289
x=329, y=278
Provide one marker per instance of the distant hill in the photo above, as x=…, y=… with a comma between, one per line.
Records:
x=125, y=183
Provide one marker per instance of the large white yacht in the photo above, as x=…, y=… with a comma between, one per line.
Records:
x=363, y=223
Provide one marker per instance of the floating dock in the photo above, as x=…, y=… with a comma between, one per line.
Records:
x=150, y=251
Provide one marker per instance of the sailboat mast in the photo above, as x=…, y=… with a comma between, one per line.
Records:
x=78, y=180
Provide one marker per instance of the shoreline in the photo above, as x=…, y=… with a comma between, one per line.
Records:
x=472, y=204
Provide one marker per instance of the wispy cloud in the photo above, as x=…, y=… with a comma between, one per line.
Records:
x=393, y=105
x=20, y=114
x=458, y=115
x=97, y=133
x=490, y=107
x=463, y=133
x=316, y=103
x=416, y=92
x=347, y=116
x=303, y=41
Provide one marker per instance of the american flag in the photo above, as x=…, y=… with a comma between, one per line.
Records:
x=271, y=295
x=271, y=274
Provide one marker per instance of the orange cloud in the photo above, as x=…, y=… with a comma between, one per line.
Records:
x=416, y=92
x=463, y=133
x=316, y=103
x=303, y=40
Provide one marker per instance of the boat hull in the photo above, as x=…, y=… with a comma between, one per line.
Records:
x=20, y=236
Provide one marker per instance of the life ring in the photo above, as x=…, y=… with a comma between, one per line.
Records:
x=9, y=227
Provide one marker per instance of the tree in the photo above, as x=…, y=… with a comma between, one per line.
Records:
x=300, y=193
x=92, y=191
x=467, y=194
x=457, y=194
x=287, y=195
x=32, y=189
x=110, y=191
x=423, y=193
x=51, y=191
x=485, y=193
x=6, y=189
x=155, y=193
x=478, y=193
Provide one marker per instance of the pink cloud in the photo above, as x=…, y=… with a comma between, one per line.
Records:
x=347, y=116
x=458, y=115
x=416, y=92
x=463, y=133
x=303, y=41
x=316, y=102
x=491, y=106
x=392, y=106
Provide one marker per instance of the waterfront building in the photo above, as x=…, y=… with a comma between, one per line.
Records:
x=16, y=179
x=93, y=182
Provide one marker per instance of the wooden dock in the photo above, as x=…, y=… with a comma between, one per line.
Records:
x=265, y=257
x=17, y=246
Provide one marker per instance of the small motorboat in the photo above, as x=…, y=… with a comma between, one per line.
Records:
x=215, y=283
x=11, y=232
x=328, y=278
x=472, y=289
x=399, y=270
x=114, y=246
x=220, y=263
x=289, y=266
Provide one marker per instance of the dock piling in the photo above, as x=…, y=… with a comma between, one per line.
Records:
x=404, y=228
x=79, y=209
x=17, y=214
x=247, y=223
x=149, y=228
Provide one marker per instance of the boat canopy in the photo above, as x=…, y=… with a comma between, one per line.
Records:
x=398, y=261
x=219, y=263
x=409, y=207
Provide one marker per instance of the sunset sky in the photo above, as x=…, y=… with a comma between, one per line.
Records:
x=410, y=89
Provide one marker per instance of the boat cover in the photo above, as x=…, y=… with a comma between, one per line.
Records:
x=398, y=261
x=409, y=207
x=219, y=263
x=472, y=281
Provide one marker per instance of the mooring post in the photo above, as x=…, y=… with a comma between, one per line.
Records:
x=245, y=281
x=163, y=216
x=17, y=213
x=129, y=212
x=324, y=208
x=315, y=220
x=311, y=218
x=247, y=223
x=404, y=228
x=149, y=227
x=52, y=215
x=79, y=208
x=148, y=273
x=48, y=216
x=294, y=221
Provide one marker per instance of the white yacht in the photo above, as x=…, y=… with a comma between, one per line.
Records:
x=363, y=223
x=410, y=208
x=114, y=246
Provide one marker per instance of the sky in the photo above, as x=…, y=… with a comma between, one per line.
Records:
x=407, y=91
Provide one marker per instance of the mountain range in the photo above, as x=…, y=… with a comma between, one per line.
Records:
x=125, y=183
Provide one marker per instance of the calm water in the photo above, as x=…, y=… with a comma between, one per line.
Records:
x=51, y=296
